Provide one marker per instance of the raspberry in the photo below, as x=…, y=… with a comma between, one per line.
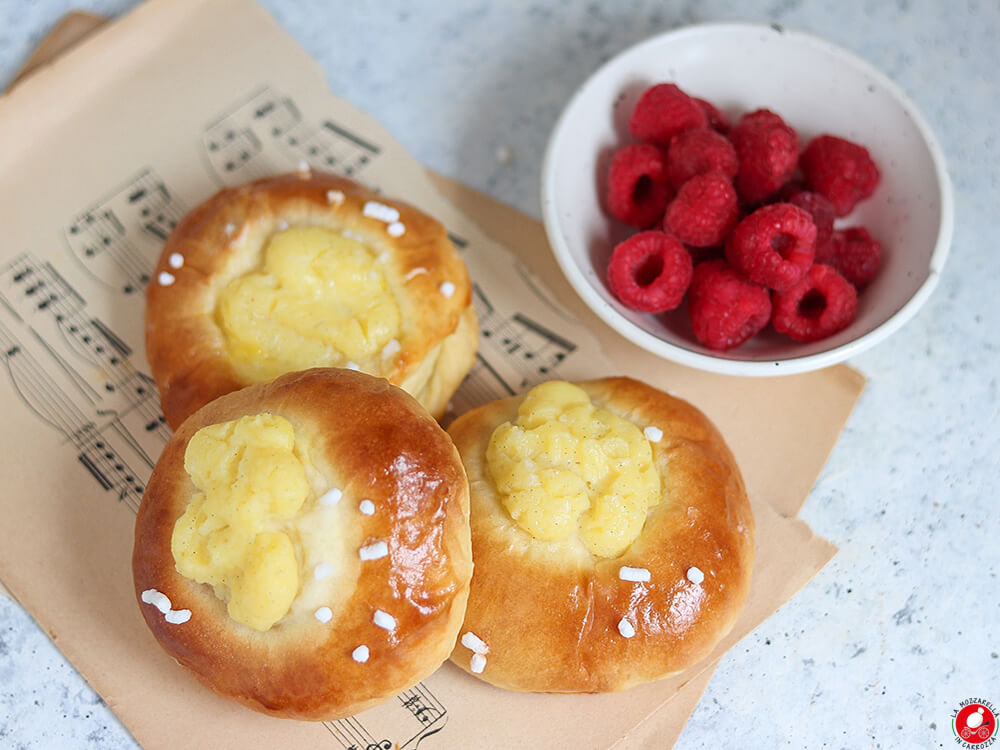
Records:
x=699, y=151
x=716, y=119
x=725, y=307
x=650, y=272
x=638, y=190
x=703, y=211
x=855, y=255
x=842, y=171
x=663, y=111
x=821, y=211
x=768, y=151
x=774, y=245
x=820, y=305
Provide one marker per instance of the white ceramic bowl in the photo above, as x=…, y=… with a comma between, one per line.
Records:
x=817, y=88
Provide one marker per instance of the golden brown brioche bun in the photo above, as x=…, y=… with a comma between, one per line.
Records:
x=376, y=444
x=550, y=619
x=224, y=238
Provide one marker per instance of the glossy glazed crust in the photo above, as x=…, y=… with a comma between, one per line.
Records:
x=549, y=613
x=381, y=445
x=223, y=238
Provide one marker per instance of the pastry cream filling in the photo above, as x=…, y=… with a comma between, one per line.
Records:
x=565, y=466
x=318, y=299
x=234, y=534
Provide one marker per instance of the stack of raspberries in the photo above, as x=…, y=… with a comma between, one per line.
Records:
x=738, y=221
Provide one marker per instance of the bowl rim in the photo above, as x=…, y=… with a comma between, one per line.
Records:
x=722, y=364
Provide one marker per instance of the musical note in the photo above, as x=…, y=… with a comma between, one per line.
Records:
x=103, y=450
x=516, y=352
x=278, y=115
x=258, y=133
x=89, y=338
x=414, y=703
x=104, y=459
x=418, y=703
x=353, y=735
x=157, y=208
x=36, y=388
x=38, y=286
x=75, y=373
x=117, y=240
x=235, y=148
x=236, y=141
x=331, y=147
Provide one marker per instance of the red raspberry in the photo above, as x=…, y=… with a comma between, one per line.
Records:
x=703, y=211
x=638, y=189
x=820, y=305
x=821, y=211
x=662, y=112
x=768, y=150
x=774, y=245
x=725, y=307
x=699, y=151
x=650, y=272
x=842, y=171
x=856, y=256
x=716, y=119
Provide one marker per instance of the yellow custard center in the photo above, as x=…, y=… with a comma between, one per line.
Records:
x=566, y=467
x=234, y=534
x=319, y=299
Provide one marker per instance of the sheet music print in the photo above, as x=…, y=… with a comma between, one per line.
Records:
x=235, y=142
x=75, y=374
x=332, y=148
x=418, y=702
x=258, y=135
x=119, y=239
x=515, y=353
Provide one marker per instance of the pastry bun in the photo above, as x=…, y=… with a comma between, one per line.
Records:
x=550, y=616
x=381, y=545
x=427, y=349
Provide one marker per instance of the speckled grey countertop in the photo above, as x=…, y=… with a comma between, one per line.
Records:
x=880, y=648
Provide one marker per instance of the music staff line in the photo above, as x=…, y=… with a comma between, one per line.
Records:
x=236, y=143
x=515, y=353
x=117, y=239
x=90, y=338
x=92, y=414
x=42, y=395
x=418, y=701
